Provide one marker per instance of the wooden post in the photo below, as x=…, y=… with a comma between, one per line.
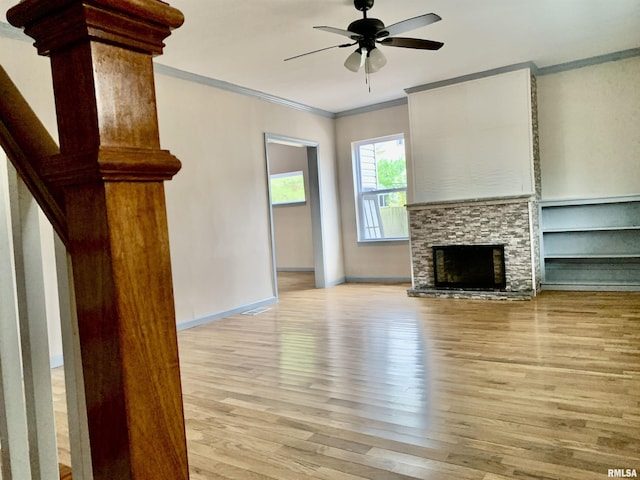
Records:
x=111, y=169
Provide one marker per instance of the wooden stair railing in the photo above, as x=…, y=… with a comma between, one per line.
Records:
x=104, y=194
x=26, y=142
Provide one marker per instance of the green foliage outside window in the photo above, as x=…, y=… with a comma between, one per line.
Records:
x=287, y=188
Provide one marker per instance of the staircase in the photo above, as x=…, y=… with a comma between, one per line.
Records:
x=102, y=190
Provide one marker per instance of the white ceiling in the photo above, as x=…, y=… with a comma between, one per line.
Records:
x=244, y=42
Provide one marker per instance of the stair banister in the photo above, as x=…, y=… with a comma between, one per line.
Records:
x=27, y=143
x=110, y=171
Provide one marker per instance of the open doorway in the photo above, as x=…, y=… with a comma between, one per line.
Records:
x=296, y=226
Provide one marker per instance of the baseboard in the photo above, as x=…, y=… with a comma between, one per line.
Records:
x=338, y=281
x=378, y=280
x=295, y=269
x=227, y=313
x=56, y=361
x=590, y=288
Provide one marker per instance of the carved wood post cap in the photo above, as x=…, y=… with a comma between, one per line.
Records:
x=111, y=165
x=140, y=25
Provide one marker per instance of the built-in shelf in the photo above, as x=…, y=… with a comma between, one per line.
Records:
x=592, y=229
x=591, y=244
x=551, y=256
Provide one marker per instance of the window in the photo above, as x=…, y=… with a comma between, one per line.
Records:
x=287, y=188
x=380, y=171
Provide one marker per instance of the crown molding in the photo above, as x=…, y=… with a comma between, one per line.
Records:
x=231, y=87
x=473, y=76
x=588, y=62
x=373, y=108
x=9, y=31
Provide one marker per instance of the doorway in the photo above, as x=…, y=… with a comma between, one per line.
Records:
x=310, y=255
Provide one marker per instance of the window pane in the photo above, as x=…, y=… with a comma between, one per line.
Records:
x=381, y=167
x=391, y=167
x=384, y=215
x=287, y=188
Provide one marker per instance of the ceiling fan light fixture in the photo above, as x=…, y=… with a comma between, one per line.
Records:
x=375, y=60
x=355, y=60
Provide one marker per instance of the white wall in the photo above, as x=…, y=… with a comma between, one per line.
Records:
x=374, y=260
x=292, y=223
x=32, y=75
x=589, y=122
x=473, y=139
x=218, y=203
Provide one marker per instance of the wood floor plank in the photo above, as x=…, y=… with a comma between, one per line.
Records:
x=362, y=382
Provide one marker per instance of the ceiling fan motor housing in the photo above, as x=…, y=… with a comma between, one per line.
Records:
x=367, y=30
x=363, y=5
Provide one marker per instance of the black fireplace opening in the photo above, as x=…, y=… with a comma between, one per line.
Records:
x=473, y=267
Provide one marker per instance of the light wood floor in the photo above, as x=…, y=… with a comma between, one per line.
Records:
x=362, y=382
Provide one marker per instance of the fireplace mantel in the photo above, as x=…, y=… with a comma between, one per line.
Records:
x=475, y=201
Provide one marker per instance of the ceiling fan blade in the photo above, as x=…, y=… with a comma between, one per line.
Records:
x=342, y=45
x=409, y=24
x=340, y=31
x=411, y=43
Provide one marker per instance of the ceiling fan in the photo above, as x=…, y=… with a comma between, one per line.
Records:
x=367, y=32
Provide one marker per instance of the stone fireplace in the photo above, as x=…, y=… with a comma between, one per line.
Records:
x=510, y=223
x=477, y=182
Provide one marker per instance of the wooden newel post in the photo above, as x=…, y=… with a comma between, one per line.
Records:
x=112, y=169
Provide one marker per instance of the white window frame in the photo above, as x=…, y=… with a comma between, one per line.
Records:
x=367, y=202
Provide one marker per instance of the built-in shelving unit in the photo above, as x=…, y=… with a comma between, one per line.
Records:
x=591, y=244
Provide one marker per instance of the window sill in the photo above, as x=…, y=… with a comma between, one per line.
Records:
x=385, y=241
x=289, y=204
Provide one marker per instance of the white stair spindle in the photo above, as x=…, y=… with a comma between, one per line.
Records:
x=32, y=315
x=74, y=380
x=13, y=421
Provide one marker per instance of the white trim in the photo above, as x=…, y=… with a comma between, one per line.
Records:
x=315, y=203
x=224, y=314
x=338, y=281
x=8, y=31
x=56, y=361
x=32, y=314
x=372, y=108
x=359, y=194
x=386, y=280
x=589, y=201
x=13, y=419
x=532, y=243
x=230, y=87
x=295, y=269
x=474, y=76
x=77, y=421
x=589, y=288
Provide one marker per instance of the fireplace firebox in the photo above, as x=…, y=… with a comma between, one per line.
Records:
x=479, y=267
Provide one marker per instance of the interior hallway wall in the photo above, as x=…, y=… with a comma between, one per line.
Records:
x=292, y=223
